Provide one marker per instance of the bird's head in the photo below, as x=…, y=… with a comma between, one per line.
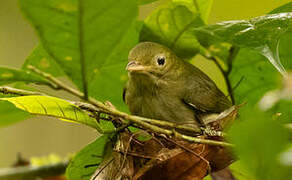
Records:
x=152, y=59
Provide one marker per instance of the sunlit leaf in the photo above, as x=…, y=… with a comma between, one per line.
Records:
x=54, y=107
x=9, y=114
x=170, y=25
x=142, y=2
x=203, y=7
x=89, y=39
x=86, y=161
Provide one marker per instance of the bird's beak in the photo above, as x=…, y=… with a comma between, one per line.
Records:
x=134, y=66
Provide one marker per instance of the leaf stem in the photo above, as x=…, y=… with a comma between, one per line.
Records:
x=81, y=50
x=232, y=54
x=233, y=51
x=196, y=5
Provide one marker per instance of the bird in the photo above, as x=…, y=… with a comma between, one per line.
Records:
x=165, y=87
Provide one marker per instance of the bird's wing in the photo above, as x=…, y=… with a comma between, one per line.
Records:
x=202, y=94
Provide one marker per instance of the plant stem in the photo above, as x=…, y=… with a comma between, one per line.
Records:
x=19, y=92
x=196, y=5
x=31, y=172
x=81, y=50
x=147, y=124
x=56, y=81
x=233, y=51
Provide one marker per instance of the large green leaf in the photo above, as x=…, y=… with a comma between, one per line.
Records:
x=254, y=76
x=86, y=161
x=90, y=39
x=261, y=34
x=170, y=25
x=9, y=114
x=258, y=142
x=259, y=139
x=40, y=59
x=54, y=107
x=10, y=75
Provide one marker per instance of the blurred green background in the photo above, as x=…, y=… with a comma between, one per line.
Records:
x=35, y=137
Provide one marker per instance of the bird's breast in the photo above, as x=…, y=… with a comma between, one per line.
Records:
x=161, y=101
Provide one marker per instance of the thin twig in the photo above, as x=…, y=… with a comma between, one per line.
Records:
x=144, y=169
x=233, y=51
x=136, y=155
x=56, y=81
x=190, y=151
x=100, y=171
x=141, y=121
x=196, y=5
x=18, y=92
x=32, y=172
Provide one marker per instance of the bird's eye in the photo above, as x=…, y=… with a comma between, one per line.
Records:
x=161, y=61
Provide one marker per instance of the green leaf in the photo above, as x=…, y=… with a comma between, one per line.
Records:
x=89, y=39
x=253, y=76
x=40, y=59
x=142, y=2
x=261, y=34
x=170, y=25
x=203, y=7
x=284, y=107
x=82, y=165
x=284, y=8
x=54, y=107
x=9, y=114
x=10, y=75
x=258, y=142
x=252, y=33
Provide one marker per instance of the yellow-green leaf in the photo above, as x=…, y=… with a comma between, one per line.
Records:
x=54, y=107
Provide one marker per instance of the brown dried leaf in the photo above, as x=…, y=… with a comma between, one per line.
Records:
x=184, y=165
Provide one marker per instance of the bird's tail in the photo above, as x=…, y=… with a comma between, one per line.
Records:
x=224, y=174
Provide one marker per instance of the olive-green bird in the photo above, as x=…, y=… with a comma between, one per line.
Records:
x=163, y=86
